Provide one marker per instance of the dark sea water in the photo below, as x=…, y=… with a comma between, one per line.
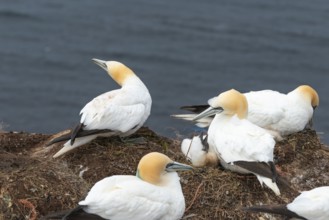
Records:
x=185, y=51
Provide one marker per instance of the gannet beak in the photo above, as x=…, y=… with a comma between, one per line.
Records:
x=175, y=166
x=208, y=112
x=100, y=63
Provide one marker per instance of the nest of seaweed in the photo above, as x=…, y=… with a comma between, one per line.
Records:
x=34, y=184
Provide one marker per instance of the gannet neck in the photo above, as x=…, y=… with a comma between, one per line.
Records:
x=151, y=167
x=233, y=102
x=119, y=72
x=310, y=94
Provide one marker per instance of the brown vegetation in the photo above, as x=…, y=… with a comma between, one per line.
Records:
x=34, y=184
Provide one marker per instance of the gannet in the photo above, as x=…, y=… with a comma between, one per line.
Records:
x=119, y=112
x=154, y=193
x=241, y=146
x=312, y=204
x=281, y=114
x=196, y=150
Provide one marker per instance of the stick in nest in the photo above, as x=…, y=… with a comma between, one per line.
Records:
x=194, y=198
x=29, y=205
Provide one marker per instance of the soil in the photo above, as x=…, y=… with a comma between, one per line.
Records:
x=34, y=184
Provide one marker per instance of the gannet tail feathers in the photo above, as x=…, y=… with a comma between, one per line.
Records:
x=78, y=142
x=195, y=108
x=187, y=117
x=269, y=183
x=81, y=133
x=274, y=209
x=74, y=214
x=202, y=123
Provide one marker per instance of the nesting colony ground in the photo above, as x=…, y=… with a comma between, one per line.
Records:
x=34, y=184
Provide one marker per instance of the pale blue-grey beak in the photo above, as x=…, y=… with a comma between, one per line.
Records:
x=175, y=166
x=208, y=112
x=100, y=63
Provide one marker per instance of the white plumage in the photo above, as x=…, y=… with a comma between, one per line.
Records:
x=234, y=138
x=281, y=114
x=128, y=197
x=154, y=193
x=119, y=112
x=312, y=205
x=197, y=153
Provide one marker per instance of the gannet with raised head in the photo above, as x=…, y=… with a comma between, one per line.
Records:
x=241, y=146
x=281, y=114
x=196, y=150
x=119, y=112
x=154, y=193
x=312, y=204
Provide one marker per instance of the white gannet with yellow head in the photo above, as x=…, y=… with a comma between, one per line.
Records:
x=281, y=114
x=154, y=193
x=312, y=204
x=119, y=112
x=196, y=150
x=241, y=146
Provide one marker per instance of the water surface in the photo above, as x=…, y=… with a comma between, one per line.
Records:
x=185, y=51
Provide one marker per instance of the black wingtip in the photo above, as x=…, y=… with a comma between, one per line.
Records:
x=274, y=209
x=260, y=168
x=185, y=107
x=75, y=132
x=195, y=108
x=55, y=215
x=264, y=169
x=64, y=137
x=74, y=214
